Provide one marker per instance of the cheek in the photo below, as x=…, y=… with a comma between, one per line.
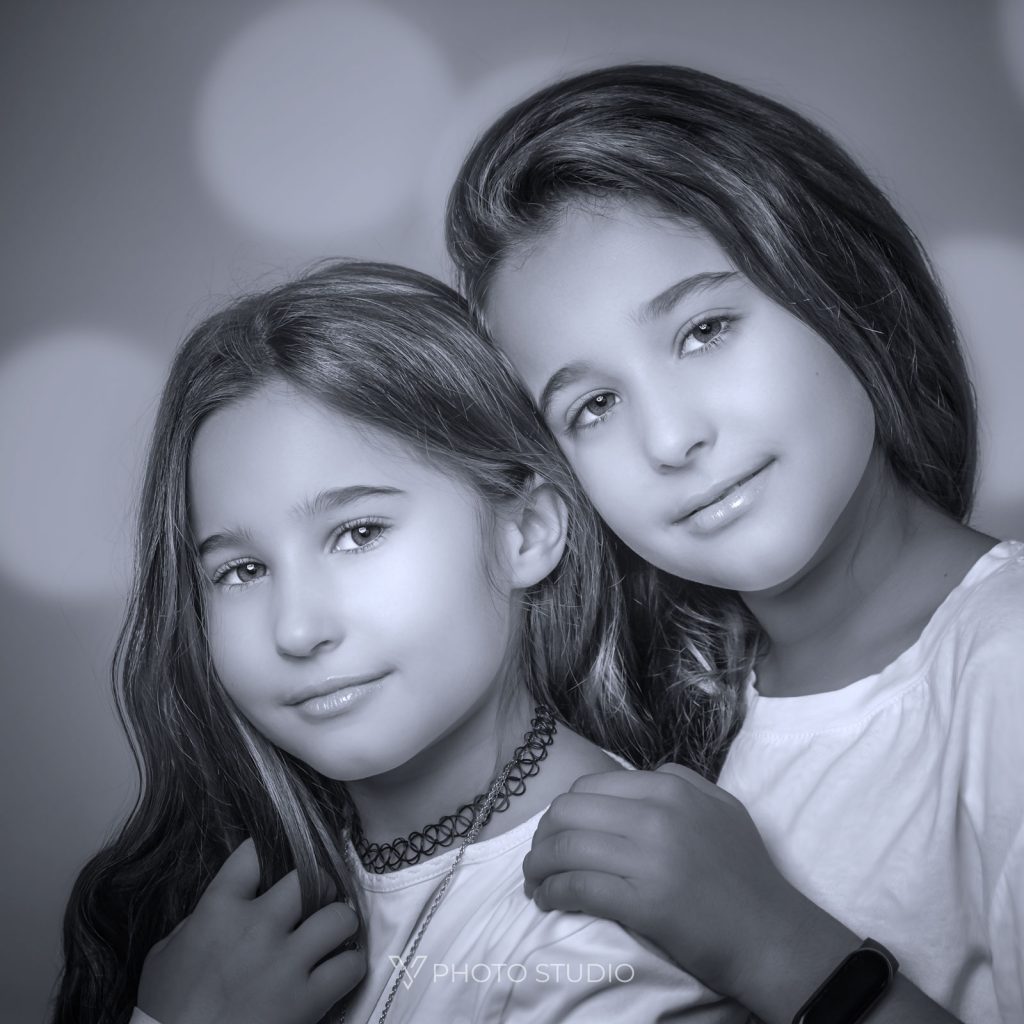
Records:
x=853, y=432
x=840, y=422
x=234, y=651
x=806, y=389
x=612, y=473
x=444, y=605
x=219, y=634
x=827, y=430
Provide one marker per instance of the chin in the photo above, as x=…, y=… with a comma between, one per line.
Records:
x=337, y=764
x=352, y=769
x=359, y=765
x=776, y=573
x=746, y=569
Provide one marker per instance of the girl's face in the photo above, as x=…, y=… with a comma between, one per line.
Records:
x=351, y=614
x=716, y=433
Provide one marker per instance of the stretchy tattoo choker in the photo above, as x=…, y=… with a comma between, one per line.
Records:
x=509, y=782
x=379, y=858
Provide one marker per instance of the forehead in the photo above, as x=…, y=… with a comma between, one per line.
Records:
x=276, y=448
x=592, y=271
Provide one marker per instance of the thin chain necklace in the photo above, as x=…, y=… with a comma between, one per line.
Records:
x=543, y=722
x=402, y=851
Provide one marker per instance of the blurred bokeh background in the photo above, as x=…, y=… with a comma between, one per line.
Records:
x=159, y=157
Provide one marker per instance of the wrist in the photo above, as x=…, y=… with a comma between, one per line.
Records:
x=853, y=989
x=798, y=947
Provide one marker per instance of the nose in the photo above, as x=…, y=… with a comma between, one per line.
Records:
x=675, y=426
x=307, y=617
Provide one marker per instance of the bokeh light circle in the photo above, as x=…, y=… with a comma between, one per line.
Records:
x=75, y=413
x=471, y=113
x=984, y=279
x=315, y=120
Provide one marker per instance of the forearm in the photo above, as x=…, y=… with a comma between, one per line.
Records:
x=799, y=948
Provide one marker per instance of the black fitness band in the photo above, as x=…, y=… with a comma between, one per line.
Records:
x=853, y=988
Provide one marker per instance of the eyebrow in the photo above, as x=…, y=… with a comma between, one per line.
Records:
x=662, y=303
x=335, y=497
x=325, y=501
x=225, y=539
x=559, y=380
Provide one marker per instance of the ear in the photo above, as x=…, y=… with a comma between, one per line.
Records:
x=534, y=535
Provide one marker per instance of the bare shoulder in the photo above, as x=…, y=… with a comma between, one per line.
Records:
x=587, y=758
x=570, y=757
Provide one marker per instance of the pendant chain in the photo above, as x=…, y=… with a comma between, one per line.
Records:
x=544, y=724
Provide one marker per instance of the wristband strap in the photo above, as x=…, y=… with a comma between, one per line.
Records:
x=853, y=988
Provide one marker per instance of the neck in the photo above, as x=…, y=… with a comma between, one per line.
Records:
x=451, y=772
x=888, y=563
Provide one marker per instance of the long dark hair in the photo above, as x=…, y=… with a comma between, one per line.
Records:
x=398, y=351
x=801, y=220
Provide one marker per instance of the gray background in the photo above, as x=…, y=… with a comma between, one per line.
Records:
x=157, y=157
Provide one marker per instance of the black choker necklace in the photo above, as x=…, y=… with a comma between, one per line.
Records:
x=379, y=858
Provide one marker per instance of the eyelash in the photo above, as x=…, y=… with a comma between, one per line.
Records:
x=345, y=528
x=728, y=321
x=355, y=525
x=574, y=425
x=218, y=576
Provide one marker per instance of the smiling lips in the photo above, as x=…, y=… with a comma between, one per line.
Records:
x=335, y=695
x=724, y=503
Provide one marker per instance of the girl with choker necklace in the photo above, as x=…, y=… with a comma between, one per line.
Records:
x=374, y=633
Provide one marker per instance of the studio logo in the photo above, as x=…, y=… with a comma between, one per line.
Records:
x=516, y=973
x=409, y=969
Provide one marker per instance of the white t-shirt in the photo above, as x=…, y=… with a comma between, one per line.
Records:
x=491, y=955
x=897, y=803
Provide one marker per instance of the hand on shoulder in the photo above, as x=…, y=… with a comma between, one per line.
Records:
x=667, y=854
x=240, y=958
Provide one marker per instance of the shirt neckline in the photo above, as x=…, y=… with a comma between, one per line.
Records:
x=432, y=869
x=843, y=708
